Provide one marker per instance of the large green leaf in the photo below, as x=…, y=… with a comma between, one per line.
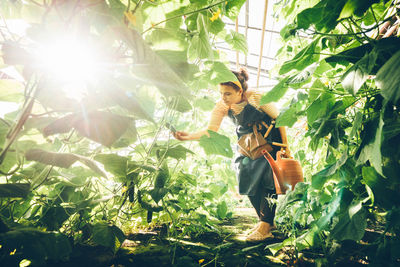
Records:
x=351, y=227
x=356, y=7
x=176, y=152
x=199, y=47
x=370, y=149
x=319, y=107
x=388, y=78
x=287, y=117
x=385, y=48
x=222, y=210
x=303, y=59
x=99, y=126
x=109, y=236
x=216, y=144
x=323, y=15
x=158, y=193
x=63, y=160
x=276, y=92
x=217, y=73
x=232, y=8
x=204, y=103
x=117, y=92
x=113, y=163
x=237, y=41
x=329, y=173
x=14, y=190
x=384, y=196
x=180, y=104
x=150, y=68
x=54, y=217
x=356, y=76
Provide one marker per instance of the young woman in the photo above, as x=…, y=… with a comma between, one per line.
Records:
x=255, y=176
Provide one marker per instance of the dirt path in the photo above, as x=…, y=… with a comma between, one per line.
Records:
x=209, y=249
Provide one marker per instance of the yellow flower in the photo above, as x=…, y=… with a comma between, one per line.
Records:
x=201, y=261
x=124, y=189
x=216, y=15
x=131, y=18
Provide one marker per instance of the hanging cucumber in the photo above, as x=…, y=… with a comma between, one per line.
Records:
x=149, y=216
x=161, y=178
x=131, y=193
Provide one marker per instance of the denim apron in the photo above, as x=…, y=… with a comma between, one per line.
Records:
x=253, y=174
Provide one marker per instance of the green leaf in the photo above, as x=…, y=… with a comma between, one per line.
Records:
x=14, y=190
x=149, y=67
x=222, y=210
x=356, y=124
x=323, y=15
x=288, y=30
x=371, y=148
x=216, y=26
x=204, y=103
x=237, y=41
x=63, y=160
x=303, y=59
x=384, y=196
x=54, y=217
x=180, y=104
x=319, y=107
x=232, y=8
x=158, y=193
x=385, y=48
x=8, y=162
x=329, y=173
x=99, y=126
x=177, y=152
x=216, y=144
x=11, y=90
x=350, y=228
x=276, y=92
x=121, y=92
x=108, y=236
x=113, y=163
x=217, y=72
x=298, y=79
x=199, y=47
x=356, y=7
x=388, y=79
x=356, y=76
x=288, y=116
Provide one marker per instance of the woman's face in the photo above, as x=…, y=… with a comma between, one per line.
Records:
x=229, y=95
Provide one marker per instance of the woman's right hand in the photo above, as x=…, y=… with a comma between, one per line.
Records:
x=182, y=136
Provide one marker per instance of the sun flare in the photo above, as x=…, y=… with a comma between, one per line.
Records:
x=72, y=62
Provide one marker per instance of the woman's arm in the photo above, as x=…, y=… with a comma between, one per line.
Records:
x=217, y=115
x=273, y=112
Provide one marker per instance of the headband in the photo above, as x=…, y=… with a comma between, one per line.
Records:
x=238, y=84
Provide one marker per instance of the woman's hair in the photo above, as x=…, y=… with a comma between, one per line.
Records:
x=243, y=76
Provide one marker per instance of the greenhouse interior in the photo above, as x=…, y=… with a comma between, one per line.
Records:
x=115, y=150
